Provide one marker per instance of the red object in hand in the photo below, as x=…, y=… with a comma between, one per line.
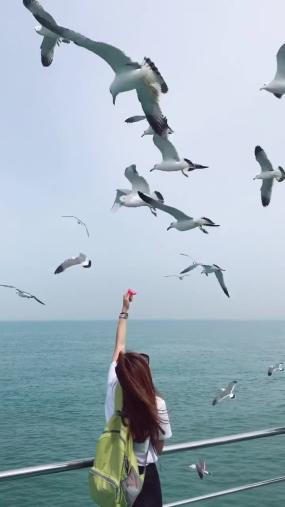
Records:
x=131, y=292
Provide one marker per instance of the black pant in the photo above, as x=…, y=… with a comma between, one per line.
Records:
x=150, y=495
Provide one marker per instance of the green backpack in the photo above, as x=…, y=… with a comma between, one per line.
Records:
x=114, y=478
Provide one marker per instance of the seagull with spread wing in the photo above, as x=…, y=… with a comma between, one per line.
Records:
x=22, y=293
x=183, y=222
x=277, y=85
x=201, y=468
x=274, y=368
x=171, y=161
x=73, y=261
x=207, y=269
x=79, y=221
x=145, y=78
x=225, y=392
x=130, y=198
x=267, y=175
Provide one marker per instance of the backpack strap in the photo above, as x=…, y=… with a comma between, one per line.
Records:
x=118, y=398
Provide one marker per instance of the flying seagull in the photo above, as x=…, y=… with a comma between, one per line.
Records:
x=145, y=78
x=73, y=261
x=224, y=393
x=50, y=41
x=274, y=368
x=180, y=276
x=207, y=269
x=22, y=293
x=267, y=175
x=201, y=468
x=79, y=221
x=277, y=85
x=130, y=198
x=183, y=222
x=171, y=161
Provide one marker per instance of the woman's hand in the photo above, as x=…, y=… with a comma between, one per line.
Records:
x=127, y=299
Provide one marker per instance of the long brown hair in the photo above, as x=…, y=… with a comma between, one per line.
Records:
x=139, y=396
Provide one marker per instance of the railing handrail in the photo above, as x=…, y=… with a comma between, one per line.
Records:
x=169, y=449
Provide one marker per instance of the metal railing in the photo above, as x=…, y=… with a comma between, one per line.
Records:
x=65, y=466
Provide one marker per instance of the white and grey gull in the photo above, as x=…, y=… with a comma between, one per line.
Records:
x=225, y=392
x=201, y=468
x=171, y=161
x=79, y=221
x=277, y=85
x=22, y=293
x=267, y=175
x=145, y=78
x=183, y=222
x=74, y=261
x=48, y=45
x=274, y=368
x=207, y=269
x=130, y=198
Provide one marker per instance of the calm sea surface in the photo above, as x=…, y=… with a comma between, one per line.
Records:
x=52, y=388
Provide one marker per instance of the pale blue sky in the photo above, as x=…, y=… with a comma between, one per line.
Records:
x=64, y=149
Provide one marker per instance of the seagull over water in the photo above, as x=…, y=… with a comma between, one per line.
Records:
x=145, y=78
x=274, y=368
x=49, y=43
x=225, y=392
x=22, y=293
x=207, y=269
x=267, y=175
x=79, y=221
x=201, y=468
x=74, y=261
x=183, y=222
x=277, y=85
x=130, y=198
x=171, y=161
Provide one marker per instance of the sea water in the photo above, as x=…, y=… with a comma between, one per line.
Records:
x=52, y=388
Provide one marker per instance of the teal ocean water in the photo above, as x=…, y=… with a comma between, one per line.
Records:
x=52, y=388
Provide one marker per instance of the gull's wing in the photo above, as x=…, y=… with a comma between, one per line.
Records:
x=231, y=387
x=190, y=268
x=220, y=278
x=219, y=396
x=176, y=213
x=134, y=119
x=38, y=300
x=112, y=55
x=270, y=371
x=38, y=11
x=70, y=262
x=166, y=148
x=199, y=468
x=137, y=181
x=148, y=96
x=70, y=216
x=262, y=159
x=119, y=192
x=8, y=286
x=84, y=225
x=266, y=191
x=47, y=50
x=280, y=73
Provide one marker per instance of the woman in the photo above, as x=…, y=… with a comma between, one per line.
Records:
x=145, y=411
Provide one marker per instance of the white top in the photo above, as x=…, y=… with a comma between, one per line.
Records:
x=145, y=447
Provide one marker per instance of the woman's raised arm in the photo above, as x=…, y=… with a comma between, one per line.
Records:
x=120, y=344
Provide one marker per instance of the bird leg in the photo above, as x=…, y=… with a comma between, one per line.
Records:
x=203, y=230
x=184, y=174
x=153, y=211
